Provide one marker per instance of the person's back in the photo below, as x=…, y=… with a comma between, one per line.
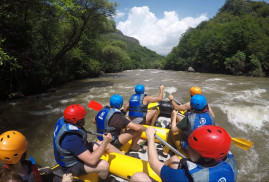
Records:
x=71, y=149
x=209, y=158
x=187, y=105
x=138, y=103
x=110, y=119
x=198, y=116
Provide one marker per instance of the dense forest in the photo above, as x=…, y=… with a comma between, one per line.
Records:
x=44, y=43
x=235, y=41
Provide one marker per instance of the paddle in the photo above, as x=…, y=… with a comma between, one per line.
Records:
x=242, y=143
x=59, y=173
x=95, y=105
x=170, y=147
x=239, y=142
x=94, y=133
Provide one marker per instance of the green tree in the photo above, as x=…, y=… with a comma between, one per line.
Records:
x=236, y=64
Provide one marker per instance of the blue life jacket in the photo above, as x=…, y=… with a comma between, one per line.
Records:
x=102, y=121
x=136, y=107
x=198, y=119
x=225, y=170
x=62, y=156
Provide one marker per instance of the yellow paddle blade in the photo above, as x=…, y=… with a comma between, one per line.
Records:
x=242, y=143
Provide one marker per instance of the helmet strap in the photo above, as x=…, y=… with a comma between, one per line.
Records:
x=207, y=162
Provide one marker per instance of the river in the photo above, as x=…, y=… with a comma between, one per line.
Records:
x=241, y=106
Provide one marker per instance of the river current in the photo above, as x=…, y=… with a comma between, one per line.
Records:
x=240, y=104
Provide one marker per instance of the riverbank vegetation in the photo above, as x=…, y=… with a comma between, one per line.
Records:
x=47, y=43
x=235, y=41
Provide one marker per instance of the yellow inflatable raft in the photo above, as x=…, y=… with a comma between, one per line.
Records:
x=120, y=165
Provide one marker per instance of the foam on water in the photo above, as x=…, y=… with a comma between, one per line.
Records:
x=242, y=116
x=45, y=112
x=170, y=90
x=67, y=100
x=247, y=166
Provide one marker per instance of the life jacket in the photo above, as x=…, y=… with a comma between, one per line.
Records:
x=136, y=106
x=102, y=120
x=225, y=170
x=29, y=177
x=198, y=119
x=62, y=156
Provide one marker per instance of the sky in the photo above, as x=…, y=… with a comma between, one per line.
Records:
x=158, y=24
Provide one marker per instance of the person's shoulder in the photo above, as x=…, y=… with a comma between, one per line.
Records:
x=71, y=136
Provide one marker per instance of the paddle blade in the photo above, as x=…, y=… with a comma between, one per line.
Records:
x=242, y=143
x=95, y=105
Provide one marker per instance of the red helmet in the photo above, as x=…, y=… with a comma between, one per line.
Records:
x=211, y=141
x=74, y=113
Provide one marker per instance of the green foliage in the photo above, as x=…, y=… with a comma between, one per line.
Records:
x=140, y=57
x=240, y=28
x=236, y=64
x=51, y=41
x=255, y=66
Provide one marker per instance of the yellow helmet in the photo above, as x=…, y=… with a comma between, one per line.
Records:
x=195, y=90
x=13, y=145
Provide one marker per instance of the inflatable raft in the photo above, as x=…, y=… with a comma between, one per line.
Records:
x=124, y=166
x=120, y=165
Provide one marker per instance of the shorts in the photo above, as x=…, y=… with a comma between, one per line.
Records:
x=116, y=143
x=90, y=146
x=77, y=170
x=138, y=120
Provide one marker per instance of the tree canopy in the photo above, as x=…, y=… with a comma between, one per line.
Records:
x=44, y=43
x=235, y=41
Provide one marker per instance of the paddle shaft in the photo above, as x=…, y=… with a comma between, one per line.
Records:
x=60, y=175
x=170, y=147
x=94, y=133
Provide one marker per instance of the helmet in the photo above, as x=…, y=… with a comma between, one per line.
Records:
x=195, y=90
x=139, y=89
x=198, y=102
x=74, y=113
x=210, y=141
x=13, y=145
x=116, y=101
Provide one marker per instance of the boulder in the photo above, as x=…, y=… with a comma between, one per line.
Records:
x=190, y=69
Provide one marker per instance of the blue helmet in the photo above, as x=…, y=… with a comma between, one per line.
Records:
x=116, y=101
x=198, y=102
x=139, y=89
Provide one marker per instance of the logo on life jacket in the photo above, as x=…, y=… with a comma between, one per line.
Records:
x=202, y=121
x=222, y=179
x=101, y=115
x=135, y=98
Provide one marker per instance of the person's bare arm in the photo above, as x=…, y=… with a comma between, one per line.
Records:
x=149, y=99
x=177, y=107
x=154, y=162
x=94, y=157
x=126, y=107
x=211, y=111
x=174, y=127
x=136, y=127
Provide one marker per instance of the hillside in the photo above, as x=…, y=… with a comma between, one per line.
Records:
x=140, y=57
x=235, y=41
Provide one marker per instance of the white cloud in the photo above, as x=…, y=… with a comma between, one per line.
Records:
x=119, y=14
x=160, y=35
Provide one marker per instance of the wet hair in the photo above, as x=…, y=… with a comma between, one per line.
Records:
x=7, y=174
